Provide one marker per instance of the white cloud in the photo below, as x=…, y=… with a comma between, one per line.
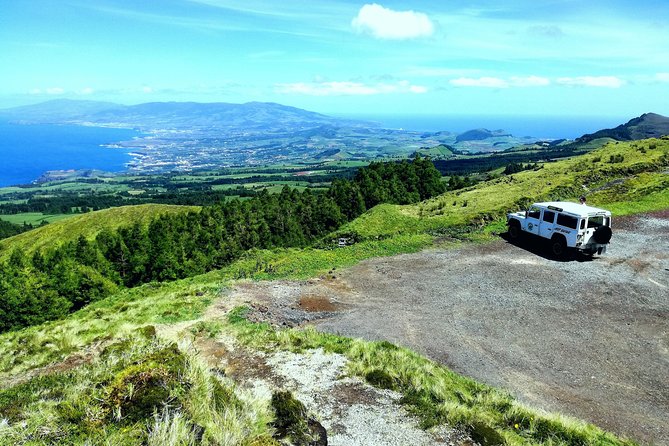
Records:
x=35, y=91
x=86, y=90
x=419, y=89
x=54, y=90
x=498, y=82
x=349, y=88
x=147, y=90
x=592, y=81
x=529, y=81
x=662, y=77
x=384, y=23
x=538, y=81
x=486, y=82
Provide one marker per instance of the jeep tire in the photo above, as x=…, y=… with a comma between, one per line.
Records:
x=558, y=246
x=514, y=230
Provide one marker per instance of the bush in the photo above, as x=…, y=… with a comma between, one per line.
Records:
x=291, y=418
x=142, y=388
x=380, y=378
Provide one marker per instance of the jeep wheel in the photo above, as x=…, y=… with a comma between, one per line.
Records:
x=558, y=247
x=514, y=230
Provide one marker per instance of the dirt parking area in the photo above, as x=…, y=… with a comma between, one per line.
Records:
x=585, y=337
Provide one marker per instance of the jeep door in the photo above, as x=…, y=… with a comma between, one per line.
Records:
x=547, y=224
x=533, y=220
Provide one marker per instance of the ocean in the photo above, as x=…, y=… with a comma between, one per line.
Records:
x=27, y=151
x=540, y=127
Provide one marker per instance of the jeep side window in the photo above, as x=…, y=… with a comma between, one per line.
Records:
x=567, y=221
x=549, y=216
x=534, y=212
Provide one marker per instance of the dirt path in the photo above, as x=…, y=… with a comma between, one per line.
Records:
x=586, y=338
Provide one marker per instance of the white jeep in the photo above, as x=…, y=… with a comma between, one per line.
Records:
x=567, y=225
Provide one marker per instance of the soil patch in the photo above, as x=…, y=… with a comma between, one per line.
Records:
x=316, y=304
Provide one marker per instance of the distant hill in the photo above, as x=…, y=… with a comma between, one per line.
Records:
x=177, y=115
x=57, y=110
x=89, y=225
x=480, y=134
x=648, y=125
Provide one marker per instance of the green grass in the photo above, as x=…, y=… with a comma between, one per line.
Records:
x=139, y=390
x=73, y=186
x=34, y=218
x=297, y=263
x=651, y=202
x=88, y=225
x=640, y=193
x=13, y=201
x=347, y=163
x=436, y=152
x=11, y=190
x=103, y=321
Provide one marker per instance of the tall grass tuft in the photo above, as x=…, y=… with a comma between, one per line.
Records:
x=172, y=429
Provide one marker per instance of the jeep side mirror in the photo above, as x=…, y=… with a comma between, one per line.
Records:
x=526, y=213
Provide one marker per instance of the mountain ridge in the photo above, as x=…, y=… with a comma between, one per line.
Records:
x=648, y=125
x=258, y=116
x=179, y=115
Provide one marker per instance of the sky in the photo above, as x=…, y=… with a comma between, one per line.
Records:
x=486, y=57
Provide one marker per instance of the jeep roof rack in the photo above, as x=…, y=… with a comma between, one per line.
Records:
x=576, y=209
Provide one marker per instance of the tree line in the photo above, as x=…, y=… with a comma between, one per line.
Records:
x=512, y=168
x=50, y=284
x=8, y=229
x=68, y=203
x=486, y=163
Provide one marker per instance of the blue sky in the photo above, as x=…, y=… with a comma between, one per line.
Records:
x=521, y=57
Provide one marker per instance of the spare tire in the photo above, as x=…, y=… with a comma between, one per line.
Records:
x=602, y=234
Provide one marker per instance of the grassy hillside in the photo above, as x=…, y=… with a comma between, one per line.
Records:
x=88, y=225
x=648, y=125
x=67, y=381
x=73, y=377
x=626, y=177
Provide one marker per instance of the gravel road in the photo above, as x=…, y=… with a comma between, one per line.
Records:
x=588, y=338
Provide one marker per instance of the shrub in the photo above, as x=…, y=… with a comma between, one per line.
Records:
x=291, y=418
x=142, y=388
x=380, y=378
